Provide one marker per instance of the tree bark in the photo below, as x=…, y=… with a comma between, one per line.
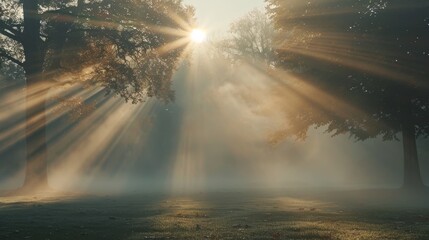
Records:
x=412, y=176
x=36, y=167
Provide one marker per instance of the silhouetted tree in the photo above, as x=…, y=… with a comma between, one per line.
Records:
x=115, y=44
x=358, y=67
x=250, y=38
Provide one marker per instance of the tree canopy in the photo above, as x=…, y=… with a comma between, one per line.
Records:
x=118, y=45
x=360, y=66
x=356, y=67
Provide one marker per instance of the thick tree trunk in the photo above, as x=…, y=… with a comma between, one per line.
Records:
x=36, y=167
x=412, y=176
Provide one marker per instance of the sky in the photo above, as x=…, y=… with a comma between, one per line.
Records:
x=216, y=15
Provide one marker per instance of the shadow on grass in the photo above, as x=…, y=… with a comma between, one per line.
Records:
x=290, y=215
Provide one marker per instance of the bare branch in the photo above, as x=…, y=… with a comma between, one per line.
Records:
x=10, y=32
x=10, y=35
x=10, y=58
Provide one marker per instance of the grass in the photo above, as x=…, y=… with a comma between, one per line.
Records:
x=215, y=216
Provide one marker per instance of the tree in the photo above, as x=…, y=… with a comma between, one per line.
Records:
x=250, y=38
x=356, y=67
x=116, y=44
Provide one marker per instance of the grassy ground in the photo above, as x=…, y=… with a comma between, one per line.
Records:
x=216, y=216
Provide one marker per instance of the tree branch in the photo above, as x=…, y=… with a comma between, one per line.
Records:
x=64, y=12
x=10, y=32
x=10, y=35
x=10, y=28
x=12, y=59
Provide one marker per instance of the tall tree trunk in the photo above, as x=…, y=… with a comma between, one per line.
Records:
x=412, y=176
x=36, y=167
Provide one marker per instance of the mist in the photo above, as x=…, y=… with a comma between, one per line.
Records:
x=189, y=119
x=214, y=136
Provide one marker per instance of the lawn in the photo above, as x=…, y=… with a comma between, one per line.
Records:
x=221, y=215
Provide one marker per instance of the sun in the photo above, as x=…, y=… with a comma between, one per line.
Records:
x=198, y=35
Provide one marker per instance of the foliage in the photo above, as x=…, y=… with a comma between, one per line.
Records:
x=112, y=43
x=354, y=66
